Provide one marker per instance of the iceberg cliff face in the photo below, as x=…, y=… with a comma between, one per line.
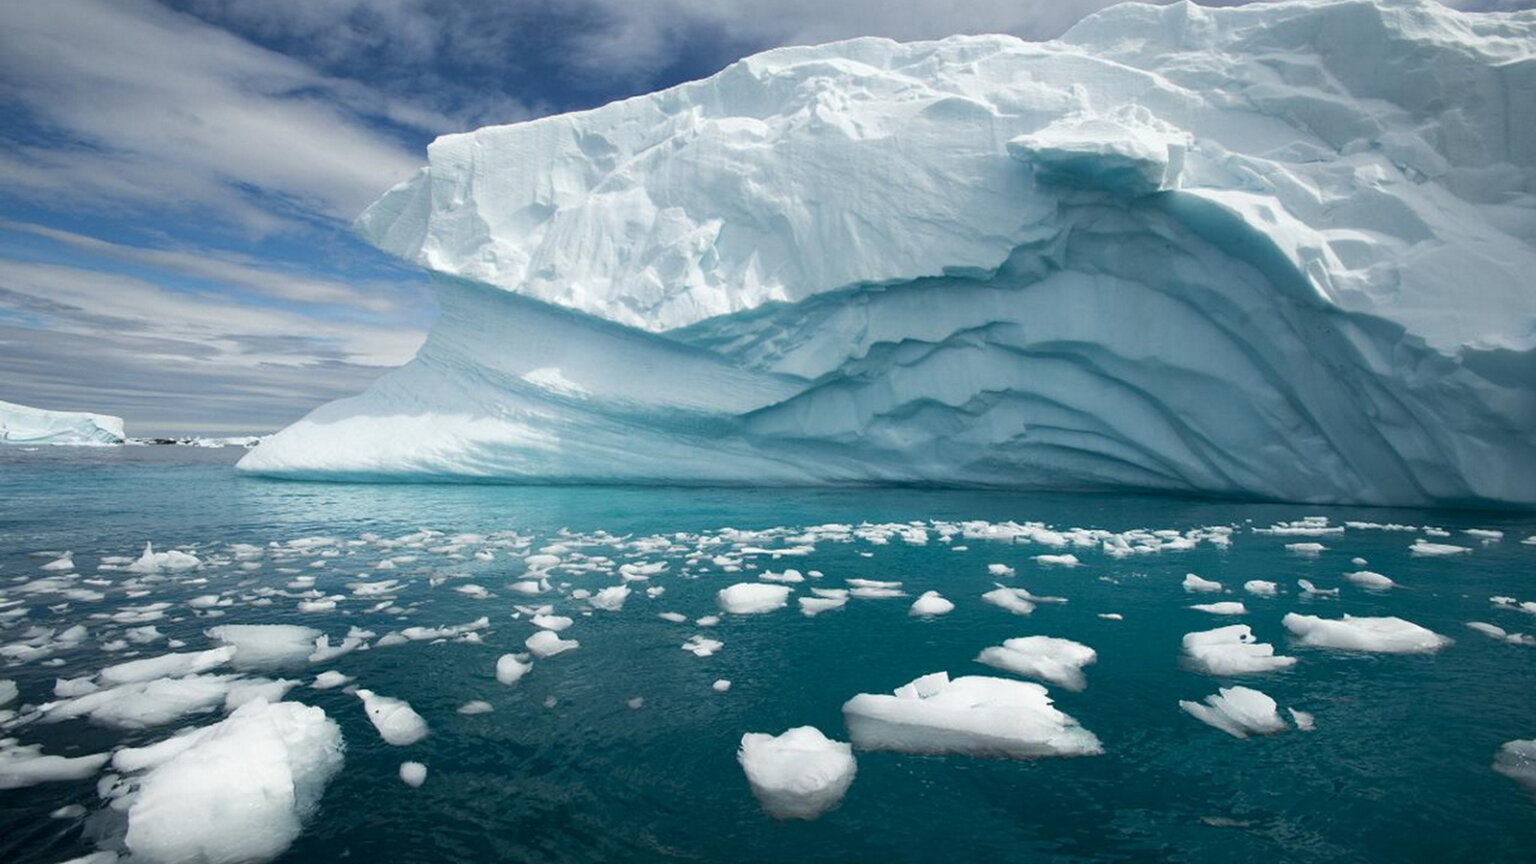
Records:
x=20, y=424
x=1283, y=250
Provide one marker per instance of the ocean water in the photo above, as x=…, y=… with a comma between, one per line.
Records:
x=564, y=770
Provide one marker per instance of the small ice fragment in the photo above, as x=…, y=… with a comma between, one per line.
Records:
x=700, y=646
x=1226, y=607
x=610, y=599
x=1261, y=588
x=753, y=598
x=1308, y=549
x=800, y=774
x=397, y=722
x=267, y=646
x=1232, y=650
x=1384, y=635
x=1067, y=560
x=1517, y=761
x=635, y=703
x=1196, y=585
x=1237, y=711
x=413, y=774
x=1111, y=616
x=556, y=623
x=1424, y=548
x=1371, y=580
x=928, y=604
x=510, y=669
x=1303, y=720
x=1311, y=590
x=476, y=707
x=721, y=685
x=546, y=643
x=1059, y=661
x=330, y=679
x=674, y=617
x=999, y=570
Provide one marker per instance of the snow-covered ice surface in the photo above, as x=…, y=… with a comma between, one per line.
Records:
x=1281, y=250
x=22, y=424
x=800, y=774
x=626, y=749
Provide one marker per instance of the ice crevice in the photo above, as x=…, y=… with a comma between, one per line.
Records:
x=1163, y=263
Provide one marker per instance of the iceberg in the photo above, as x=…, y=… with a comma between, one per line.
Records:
x=800, y=774
x=1276, y=251
x=21, y=424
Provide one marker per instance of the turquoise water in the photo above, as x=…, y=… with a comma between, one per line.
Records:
x=1396, y=771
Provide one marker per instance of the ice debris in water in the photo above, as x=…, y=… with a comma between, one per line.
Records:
x=26, y=765
x=1371, y=580
x=267, y=646
x=700, y=646
x=1261, y=588
x=163, y=562
x=753, y=598
x=413, y=774
x=1424, y=549
x=547, y=643
x=1226, y=607
x=1059, y=661
x=800, y=774
x=329, y=679
x=1232, y=650
x=931, y=603
x=721, y=685
x=510, y=668
x=972, y=715
x=236, y=791
x=610, y=599
x=1197, y=585
x=476, y=706
x=1493, y=631
x=1310, y=590
x=1517, y=761
x=397, y=722
x=1238, y=711
x=1383, y=635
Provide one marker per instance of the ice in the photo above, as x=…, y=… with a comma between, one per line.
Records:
x=721, y=685
x=800, y=774
x=1232, y=650
x=413, y=774
x=813, y=606
x=165, y=666
x=546, y=643
x=22, y=424
x=1058, y=661
x=753, y=598
x=700, y=646
x=510, y=669
x=1311, y=590
x=146, y=704
x=1238, y=711
x=476, y=706
x=1226, y=607
x=610, y=599
x=397, y=722
x=999, y=570
x=1303, y=720
x=267, y=646
x=237, y=791
x=1517, y=761
x=1422, y=548
x=331, y=679
x=1307, y=549
x=558, y=623
x=1261, y=588
x=1189, y=249
x=971, y=715
x=1067, y=560
x=8, y=692
x=929, y=603
x=427, y=634
x=1196, y=585
x=1382, y=635
x=23, y=766
x=173, y=561
x=1371, y=580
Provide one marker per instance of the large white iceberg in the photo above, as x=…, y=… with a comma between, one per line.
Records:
x=1280, y=250
x=21, y=424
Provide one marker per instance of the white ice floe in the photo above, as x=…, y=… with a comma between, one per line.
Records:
x=1424, y=548
x=1517, y=761
x=1232, y=650
x=1261, y=588
x=237, y=791
x=610, y=599
x=1225, y=607
x=1383, y=635
x=1310, y=590
x=823, y=602
x=1238, y=711
x=173, y=561
x=753, y=598
x=931, y=603
x=547, y=643
x=267, y=646
x=721, y=685
x=165, y=666
x=972, y=715
x=510, y=669
x=1307, y=549
x=1197, y=585
x=413, y=774
x=1371, y=580
x=146, y=704
x=1493, y=631
x=800, y=774
x=397, y=722
x=701, y=646
x=999, y=570
x=476, y=706
x=1064, y=560
x=1059, y=661
x=558, y=623
x=452, y=631
x=330, y=679
x=26, y=765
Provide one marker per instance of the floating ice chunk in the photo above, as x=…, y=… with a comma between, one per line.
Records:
x=1232, y=650
x=540, y=563
x=479, y=592
x=753, y=598
x=426, y=634
x=476, y=706
x=700, y=646
x=721, y=685
x=972, y=715
x=256, y=690
x=1067, y=560
x=1226, y=607
x=330, y=679
x=673, y=617
x=413, y=774
x=267, y=646
x=397, y=722
x=1517, y=761
x=163, y=562
x=546, y=643
x=1383, y=635
x=813, y=606
x=1369, y=579
x=1311, y=590
x=236, y=791
x=1237, y=711
x=1424, y=548
x=789, y=576
x=1499, y=633
x=610, y=599
x=1308, y=549
x=556, y=623
x=1059, y=661
x=800, y=774
x=1487, y=535
x=8, y=692
x=145, y=704
x=325, y=652
x=1111, y=616
x=1303, y=719
x=999, y=570
x=23, y=766
x=69, y=688
x=931, y=603
x=165, y=666
x=707, y=621
x=510, y=669
x=1196, y=585
x=1261, y=588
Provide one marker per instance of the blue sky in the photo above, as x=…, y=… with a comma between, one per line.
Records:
x=177, y=178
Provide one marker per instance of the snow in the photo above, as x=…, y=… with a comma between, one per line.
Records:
x=1058, y=661
x=930, y=603
x=21, y=424
x=1238, y=711
x=800, y=774
x=753, y=598
x=971, y=715
x=1382, y=635
x=397, y=722
x=239, y=790
x=1232, y=650
x=1060, y=219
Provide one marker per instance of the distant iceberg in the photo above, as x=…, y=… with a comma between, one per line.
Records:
x=20, y=424
x=1281, y=250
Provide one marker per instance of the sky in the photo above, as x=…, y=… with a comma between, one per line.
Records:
x=178, y=178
